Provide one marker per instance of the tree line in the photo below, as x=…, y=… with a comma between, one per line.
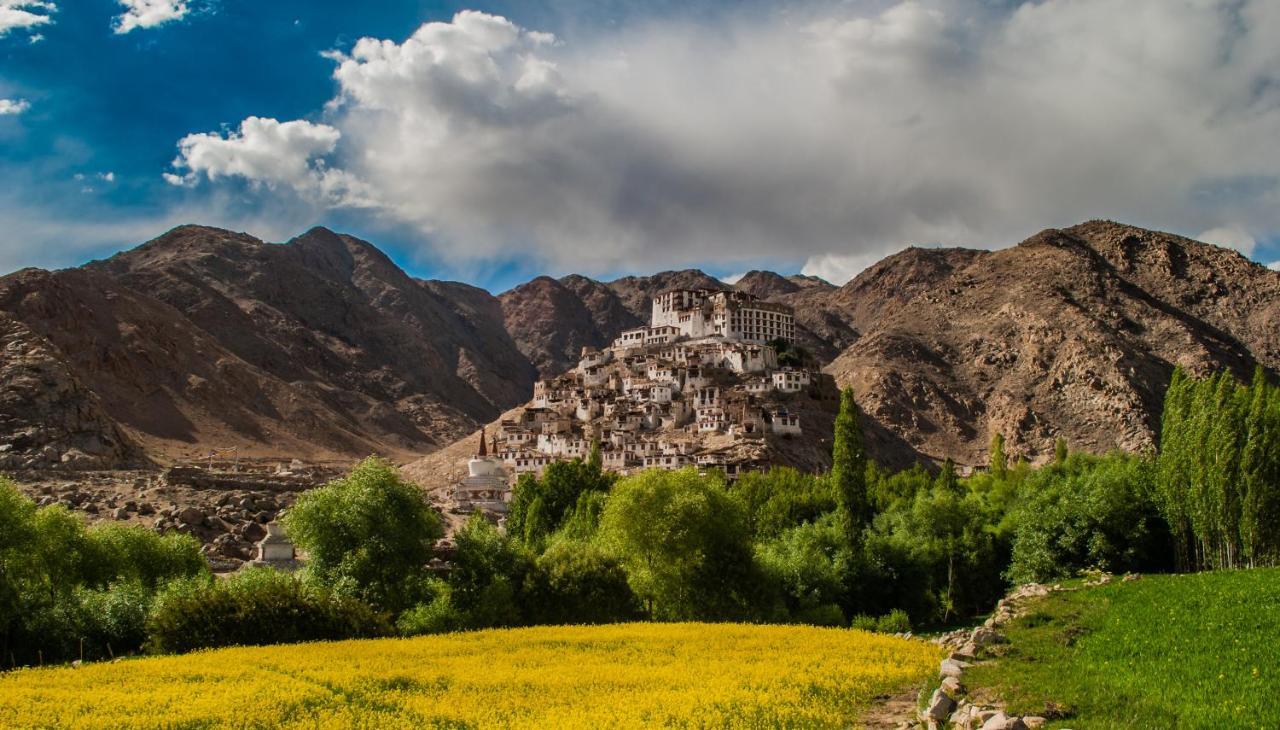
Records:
x=855, y=546
x=1219, y=470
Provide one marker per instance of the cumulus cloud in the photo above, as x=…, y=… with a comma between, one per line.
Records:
x=148, y=14
x=1230, y=237
x=265, y=152
x=1274, y=266
x=24, y=14
x=834, y=134
x=10, y=107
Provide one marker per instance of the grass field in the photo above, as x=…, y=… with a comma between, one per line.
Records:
x=1184, y=651
x=721, y=675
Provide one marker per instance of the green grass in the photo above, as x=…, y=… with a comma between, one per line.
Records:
x=1177, y=651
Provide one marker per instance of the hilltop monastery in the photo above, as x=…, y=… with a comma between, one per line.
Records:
x=700, y=385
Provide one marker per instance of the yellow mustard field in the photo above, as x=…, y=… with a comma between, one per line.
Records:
x=628, y=675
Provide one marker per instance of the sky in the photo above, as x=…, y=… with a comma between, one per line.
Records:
x=490, y=142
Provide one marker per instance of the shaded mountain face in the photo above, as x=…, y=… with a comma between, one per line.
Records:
x=322, y=348
x=318, y=348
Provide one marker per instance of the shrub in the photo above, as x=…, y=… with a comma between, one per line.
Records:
x=124, y=552
x=1089, y=513
x=113, y=621
x=863, y=622
x=435, y=617
x=577, y=583
x=894, y=622
x=255, y=606
x=489, y=569
x=367, y=535
x=808, y=564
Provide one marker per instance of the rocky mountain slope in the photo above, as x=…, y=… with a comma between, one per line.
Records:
x=321, y=348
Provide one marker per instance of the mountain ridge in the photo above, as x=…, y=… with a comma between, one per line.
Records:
x=322, y=347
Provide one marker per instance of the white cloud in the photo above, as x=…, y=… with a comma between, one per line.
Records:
x=265, y=152
x=1274, y=266
x=835, y=133
x=732, y=279
x=149, y=13
x=24, y=14
x=13, y=106
x=107, y=176
x=1230, y=237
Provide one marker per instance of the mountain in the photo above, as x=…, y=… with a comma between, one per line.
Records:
x=1071, y=333
x=321, y=348
x=317, y=348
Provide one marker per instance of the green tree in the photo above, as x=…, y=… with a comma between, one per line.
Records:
x=999, y=461
x=539, y=506
x=809, y=562
x=781, y=498
x=684, y=543
x=489, y=572
x=578, y=583
x=1060, y=450
x=367, y=535
x=849, y=470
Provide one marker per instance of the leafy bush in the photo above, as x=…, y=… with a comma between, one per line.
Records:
x=894, y=622
x=121, y=552
x=489, y=569
x=255, y=606
x=577, y=583
x=863, y=622
x=1089, y=512
x=62, y=584
x=809, y=563
x=435, y=617
x=367, y=535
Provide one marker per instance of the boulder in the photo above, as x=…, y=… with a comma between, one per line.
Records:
x=951, y=668
x=1001, y=721
x=1033, y=722
x=940, y=706
x=952, y=686
x=986, y=636
x=120, y=513
x=191, y=516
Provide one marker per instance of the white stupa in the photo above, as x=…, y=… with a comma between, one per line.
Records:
x=485, y=486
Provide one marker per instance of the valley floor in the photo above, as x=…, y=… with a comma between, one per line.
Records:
x=625, y=675
x=1187, y=651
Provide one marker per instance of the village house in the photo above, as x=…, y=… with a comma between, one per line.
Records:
x=697, y=386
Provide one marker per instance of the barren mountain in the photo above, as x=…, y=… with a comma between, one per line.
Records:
x=1071, y=333
x=322, y=348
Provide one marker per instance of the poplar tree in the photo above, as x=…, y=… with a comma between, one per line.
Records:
x=999, y=461
x=1060, y=451
x=849, y=470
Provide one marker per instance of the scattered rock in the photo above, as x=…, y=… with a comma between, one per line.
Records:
x=940, y=706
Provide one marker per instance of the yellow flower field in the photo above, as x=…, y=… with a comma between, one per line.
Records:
x=629, y=675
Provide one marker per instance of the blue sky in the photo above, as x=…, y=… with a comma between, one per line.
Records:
x=811, y=135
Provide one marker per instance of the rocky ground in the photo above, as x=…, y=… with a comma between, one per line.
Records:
x=225, y=506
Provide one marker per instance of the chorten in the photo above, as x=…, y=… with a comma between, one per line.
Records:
x=485, y=486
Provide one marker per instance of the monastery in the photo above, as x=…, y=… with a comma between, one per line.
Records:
x=700, y=385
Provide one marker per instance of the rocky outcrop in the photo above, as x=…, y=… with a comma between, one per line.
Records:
x=1072, y=333
x=48, y=418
